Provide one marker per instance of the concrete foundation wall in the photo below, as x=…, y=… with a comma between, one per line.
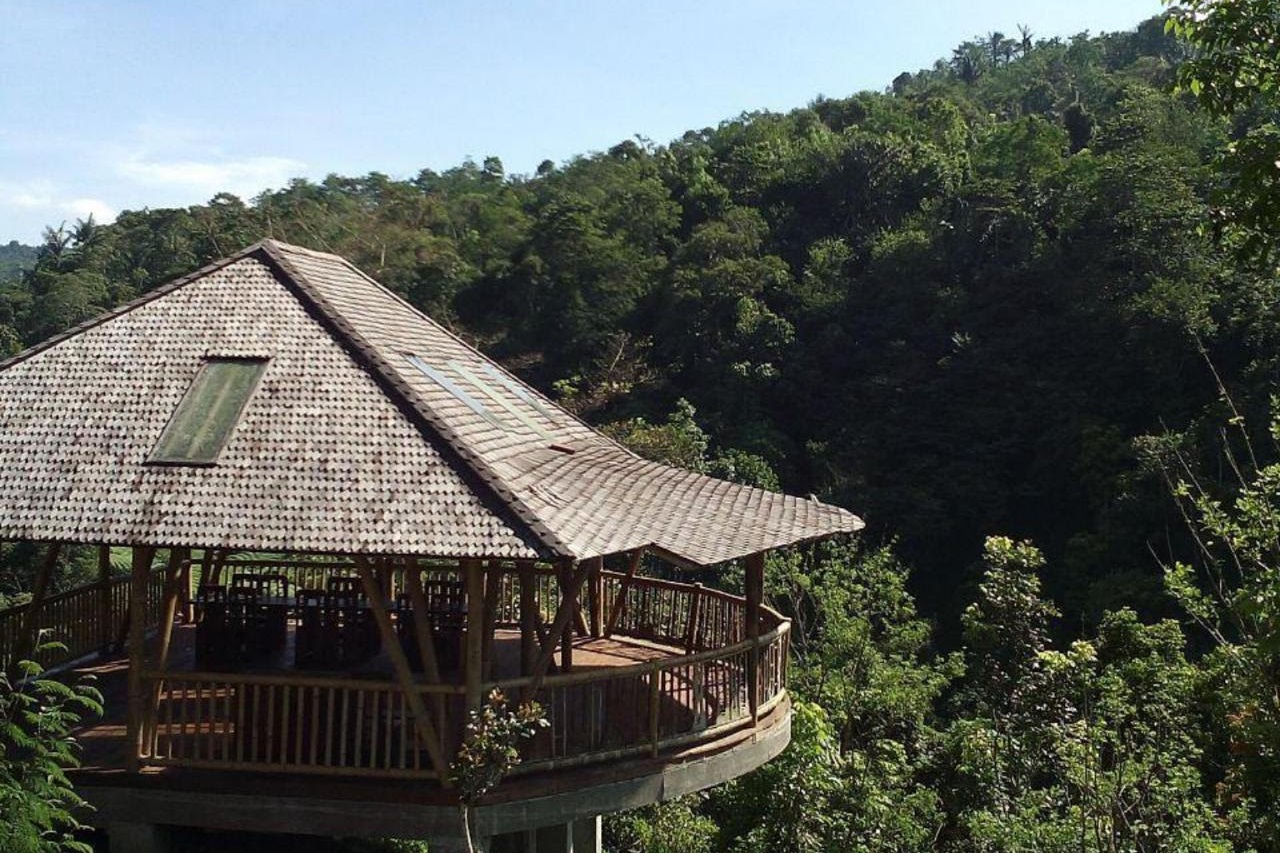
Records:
x=127, y=812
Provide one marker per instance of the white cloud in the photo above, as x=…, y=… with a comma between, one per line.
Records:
x=158, y=165
x=83, y=208
x=245, y=177
x=45, y=200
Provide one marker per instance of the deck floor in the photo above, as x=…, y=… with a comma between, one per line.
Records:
x=103, y=740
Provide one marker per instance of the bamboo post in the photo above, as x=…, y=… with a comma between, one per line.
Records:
x=140, y=573
x=595, y=595
x=529, y=640
x=179, y=559
x=423, y=630
x=424, y=634
x=215, y=570
x=185, y=592
x=172, y=589
x=558, y=628
x=492, y=586
x=474, y=572
x=426, y=732
x=655, y=709
x=755, y=593
x=569, y=596
x=30, y=627
x=385, y=578
x=579, y=621
x=206, y=567
x=695, y=613
x=104, y=599
x=620, y=602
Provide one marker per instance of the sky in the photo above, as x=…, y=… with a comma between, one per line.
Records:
x=111, y=106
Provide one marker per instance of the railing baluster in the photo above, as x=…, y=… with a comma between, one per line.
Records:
x=359, y=730
x=315, y=722
x=343, y=731
x=387, y=760
x=697, y=692
x=328, y=727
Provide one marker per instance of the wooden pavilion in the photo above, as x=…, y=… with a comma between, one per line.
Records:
x=346, y=527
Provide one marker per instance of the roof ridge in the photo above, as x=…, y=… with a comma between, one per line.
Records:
x=137, y=302
x=377, y=364
x=290, y=247
x=294, y=247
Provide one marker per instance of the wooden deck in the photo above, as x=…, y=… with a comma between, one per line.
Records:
x=104, y=740
x=659, y=709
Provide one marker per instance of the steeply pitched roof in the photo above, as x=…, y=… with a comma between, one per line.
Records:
x=374, y=430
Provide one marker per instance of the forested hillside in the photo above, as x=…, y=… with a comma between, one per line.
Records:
x=14, y=258
x=987, y=301
x=950, y=307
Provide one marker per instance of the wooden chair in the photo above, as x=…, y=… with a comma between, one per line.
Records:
x=345, y=585
x=273, y=597
x=447, y=610
x=211, y=625
x=350, y=625
x=313, y=647
x=406, y=630
x=248, y=635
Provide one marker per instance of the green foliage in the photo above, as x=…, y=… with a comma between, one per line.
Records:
x=674, y=827
x=864, y=731
x=679, y=441
x=787, y=804
x=491, y=746
x=1231, y=590
x=1235, y=73
x=957, y=306
x=951, y=306
x=1088, y=748
x=14, y=258
x=37, y=801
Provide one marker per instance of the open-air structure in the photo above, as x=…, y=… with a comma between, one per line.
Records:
x=346, y=527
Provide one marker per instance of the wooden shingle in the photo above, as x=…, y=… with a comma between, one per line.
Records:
x=374, y=430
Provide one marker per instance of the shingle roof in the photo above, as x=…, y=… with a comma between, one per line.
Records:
x=374, y=430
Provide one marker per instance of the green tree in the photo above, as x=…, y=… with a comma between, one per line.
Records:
x=37, y=715
x=1235, y=73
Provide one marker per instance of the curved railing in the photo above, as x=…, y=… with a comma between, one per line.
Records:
x=718, y=681
x=83, y=620
x=651, y=707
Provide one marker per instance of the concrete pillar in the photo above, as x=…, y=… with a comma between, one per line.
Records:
x=524, y=841
x=586, y=835
x=138, y=838
x=556, y=838
x=579, y=836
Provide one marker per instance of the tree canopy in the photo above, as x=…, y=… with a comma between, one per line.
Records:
x=1020, y=296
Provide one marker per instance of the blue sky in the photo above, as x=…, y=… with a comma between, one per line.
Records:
x=109, y=106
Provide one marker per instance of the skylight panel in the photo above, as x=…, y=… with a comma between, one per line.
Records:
x=208, y=412
x=515, y=388
x=467, y=374
x=453, y=388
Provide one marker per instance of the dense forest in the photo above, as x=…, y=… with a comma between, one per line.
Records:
x=15, y=258
x=1002, y=302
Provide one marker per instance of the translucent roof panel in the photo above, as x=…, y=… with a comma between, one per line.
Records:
x=209, y=411
x=514, y=388
x=476, y=382
x=453, y=388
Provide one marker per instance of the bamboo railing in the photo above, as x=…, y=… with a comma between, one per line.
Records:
x=284, y=723
x=652, y=707
x=292, y=722
x=86, y=619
